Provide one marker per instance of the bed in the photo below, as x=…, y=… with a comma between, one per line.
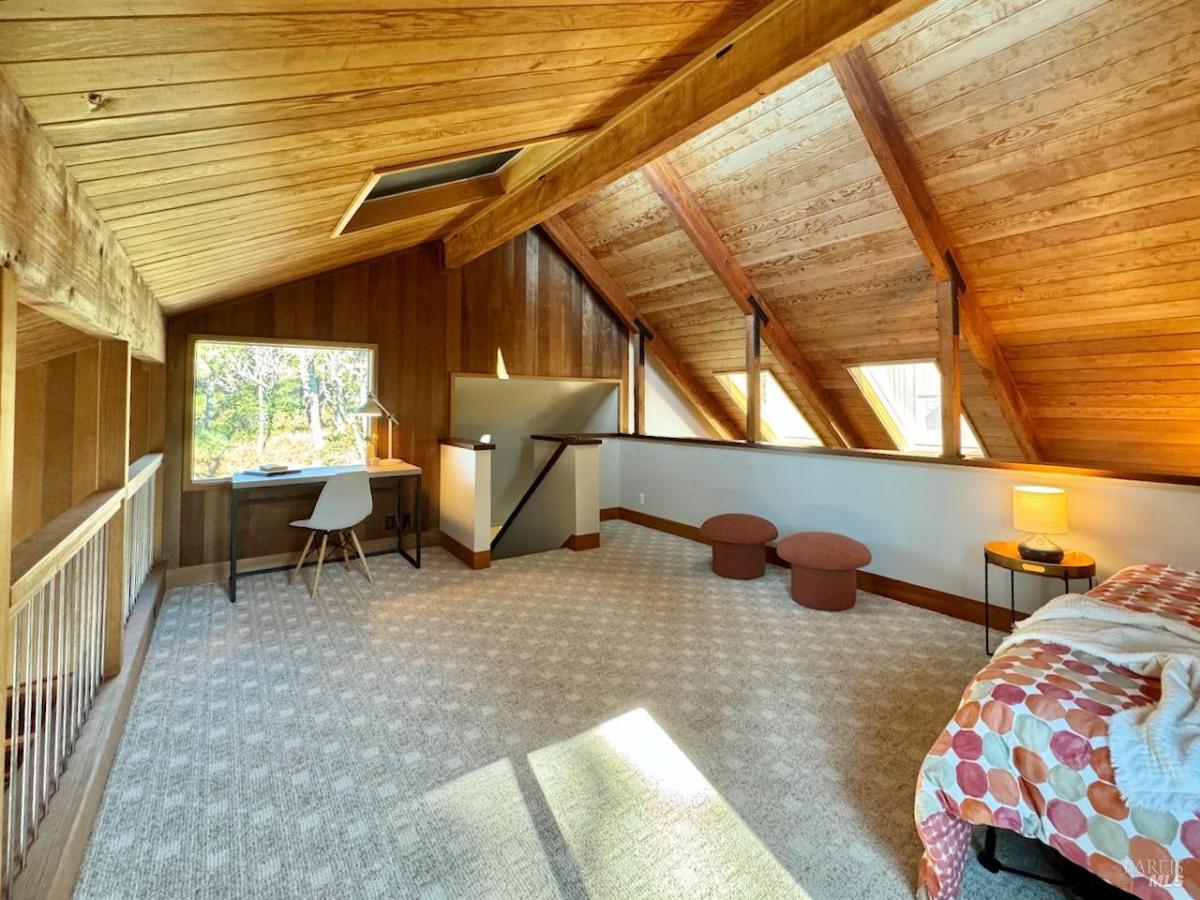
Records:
x=1027, y=751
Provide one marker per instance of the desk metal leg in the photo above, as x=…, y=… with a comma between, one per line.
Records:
x=233, y=545
x=414, y=518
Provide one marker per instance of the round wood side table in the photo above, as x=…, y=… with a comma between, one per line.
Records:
x=1075, y=564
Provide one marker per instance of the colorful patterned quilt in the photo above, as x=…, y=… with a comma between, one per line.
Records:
x=1027, y=751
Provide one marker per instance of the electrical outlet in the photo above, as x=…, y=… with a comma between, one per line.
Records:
x=641, y=499
x=390, y=523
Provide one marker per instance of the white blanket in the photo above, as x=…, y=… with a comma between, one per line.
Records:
x=1155, y=748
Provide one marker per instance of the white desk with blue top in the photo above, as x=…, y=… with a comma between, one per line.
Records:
x=250, y=488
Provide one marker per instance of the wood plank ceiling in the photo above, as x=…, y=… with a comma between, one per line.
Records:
x=795, y=192
x=1059, y=142
x=223, y=142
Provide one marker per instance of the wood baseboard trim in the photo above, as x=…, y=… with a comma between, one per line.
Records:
x=56, y=856
x=583, y=541
x=207, y=573
x=952, y=605
x=609, y=513
x=658, y=523
x=472, y=559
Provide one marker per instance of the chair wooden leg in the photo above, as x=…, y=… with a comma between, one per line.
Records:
x=362, y=556
x=303, y=556
x=320, y=561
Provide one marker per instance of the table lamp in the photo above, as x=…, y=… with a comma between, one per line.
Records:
x=374, y=409
x=1040, y=511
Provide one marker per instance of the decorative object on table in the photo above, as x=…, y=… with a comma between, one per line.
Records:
x=1007, y=555
x=1040, y=510
x=824, y=568
x=271, y=469
x=739, y=543
x=345, y=500
x=374, y=409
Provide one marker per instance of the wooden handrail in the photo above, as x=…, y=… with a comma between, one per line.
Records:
x=541, y=476
x=39, y=556
x=465, y=443
x=142, y=470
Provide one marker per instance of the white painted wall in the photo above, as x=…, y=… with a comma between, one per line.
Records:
x=610, y=474
x=465, y=489
x=924, y=523
x=667, y=413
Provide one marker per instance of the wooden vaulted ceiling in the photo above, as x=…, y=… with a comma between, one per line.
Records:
x=223, y=142
x=1059, y=146
x=1051, y=147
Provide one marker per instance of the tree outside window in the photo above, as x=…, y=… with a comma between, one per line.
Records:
x=294, y=404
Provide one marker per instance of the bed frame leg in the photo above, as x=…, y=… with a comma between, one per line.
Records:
x=987, y=859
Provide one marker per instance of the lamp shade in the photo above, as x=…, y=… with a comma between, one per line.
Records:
x=1040, y=510
x=370, y=407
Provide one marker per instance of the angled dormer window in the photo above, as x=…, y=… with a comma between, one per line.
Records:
x=907, y=398
x=782, y=423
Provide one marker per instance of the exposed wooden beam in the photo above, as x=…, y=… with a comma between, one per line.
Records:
x=66, y=259
x=951, y=369
x=614, y=296
x=831, y=423
x=870, y=105
x=754, y=378
x=783, y=41
x=639, y=380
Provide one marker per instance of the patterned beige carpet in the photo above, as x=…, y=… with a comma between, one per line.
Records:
x=613, y=723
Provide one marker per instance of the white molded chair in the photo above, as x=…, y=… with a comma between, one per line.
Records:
x=344, y=502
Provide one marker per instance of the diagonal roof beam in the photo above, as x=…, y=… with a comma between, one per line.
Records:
x=622, y=307
x=783, y=41
x=681, y=203
x=867, y=100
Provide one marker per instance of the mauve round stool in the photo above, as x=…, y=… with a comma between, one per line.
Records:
x=739, y=544
x=824, y=568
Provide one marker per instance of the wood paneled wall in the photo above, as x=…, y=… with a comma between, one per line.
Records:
x=522, y=298
x=525, y=298
x=54, y=456
x=147, y=406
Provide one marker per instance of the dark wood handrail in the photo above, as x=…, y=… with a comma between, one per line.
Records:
x=465, y=444
x=541, y=476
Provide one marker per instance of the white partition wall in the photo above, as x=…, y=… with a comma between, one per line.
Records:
x=466, y=500
x=925, y=523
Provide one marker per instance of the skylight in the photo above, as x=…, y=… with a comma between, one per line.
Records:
x=782, y=423
x=907, y=398
x=407, y=180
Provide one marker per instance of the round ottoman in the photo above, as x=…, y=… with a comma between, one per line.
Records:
x=824, y=568
x=739, y=544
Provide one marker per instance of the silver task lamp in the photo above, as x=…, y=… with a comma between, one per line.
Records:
x=374, y=409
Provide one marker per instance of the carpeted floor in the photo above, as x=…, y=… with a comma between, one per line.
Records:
x=613, y=723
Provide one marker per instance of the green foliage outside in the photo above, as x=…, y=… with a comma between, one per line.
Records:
x=264, y=403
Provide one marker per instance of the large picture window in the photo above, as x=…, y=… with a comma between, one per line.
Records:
x=274, y=402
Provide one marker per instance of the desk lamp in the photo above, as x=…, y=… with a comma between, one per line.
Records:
x=374, y=409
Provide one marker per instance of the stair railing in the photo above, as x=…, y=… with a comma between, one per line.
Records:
x=563, y=443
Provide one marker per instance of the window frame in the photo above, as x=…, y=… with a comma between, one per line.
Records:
x=205, y=484
x=879, y=407
x=742, y=402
